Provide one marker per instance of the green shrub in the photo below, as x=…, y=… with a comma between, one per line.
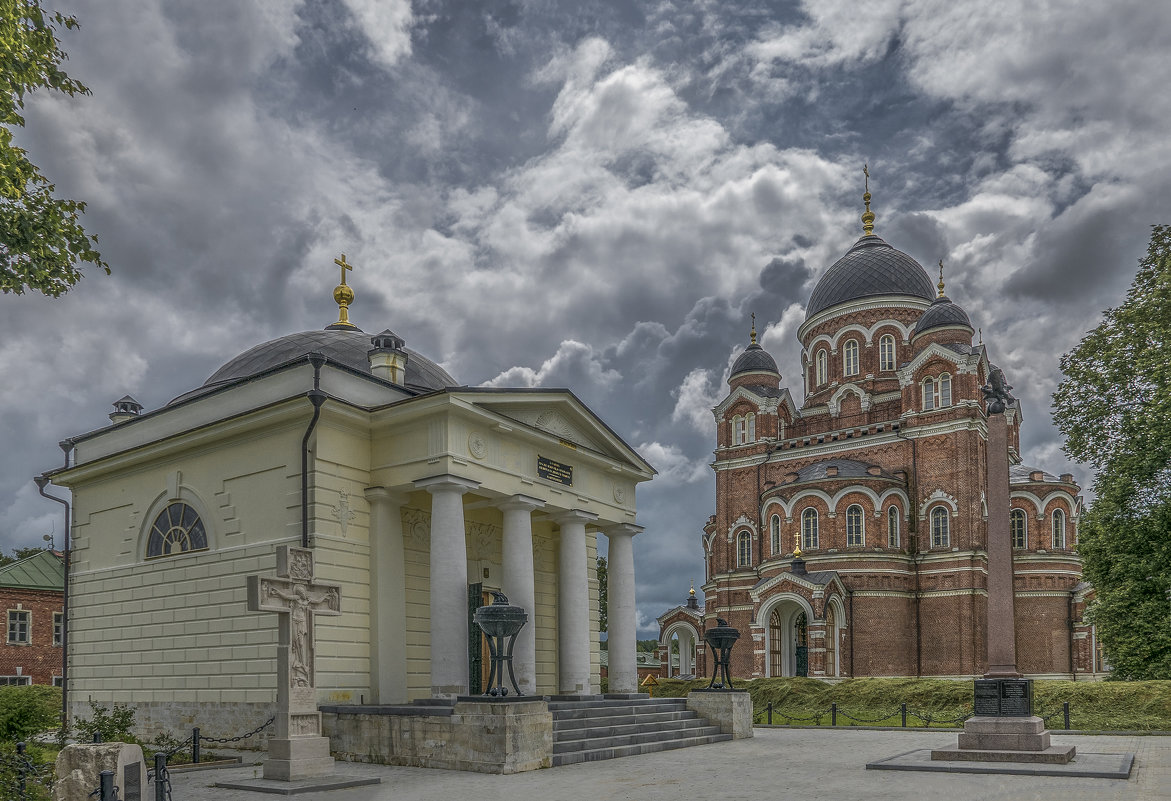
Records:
x=113, y=724
x=29, y=710
x=29, y=775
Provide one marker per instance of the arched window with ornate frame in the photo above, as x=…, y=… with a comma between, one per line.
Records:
x=850, y=357
x=940, y=528
x=943, y=398
x=744, y=549
x=821, y=367
x=809, y=534
x=750, y=427
x=774, y=527
x=928, y=394
x=1018, y=528
x=886, y=352
x=855, y=526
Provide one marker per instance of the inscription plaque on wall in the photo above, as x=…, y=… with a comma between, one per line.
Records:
x=1003, y=697
x=555, y=471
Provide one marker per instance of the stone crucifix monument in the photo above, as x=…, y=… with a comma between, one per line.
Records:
x=298, y=751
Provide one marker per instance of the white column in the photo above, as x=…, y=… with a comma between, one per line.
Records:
x=573, y=605
x=388, y=599
x=449, y=585
x=519, y=584
x=620, y=612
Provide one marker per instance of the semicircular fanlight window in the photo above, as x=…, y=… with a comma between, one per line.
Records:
x=176, y=530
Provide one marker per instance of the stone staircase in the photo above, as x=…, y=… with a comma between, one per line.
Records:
x=590, y=729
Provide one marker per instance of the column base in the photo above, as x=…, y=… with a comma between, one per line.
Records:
x=1006, y=739
x=295, y=758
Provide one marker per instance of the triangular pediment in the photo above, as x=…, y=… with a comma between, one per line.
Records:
x=762, y=402
x=559, y=414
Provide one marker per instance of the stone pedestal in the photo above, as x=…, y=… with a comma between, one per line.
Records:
x=731, y=710
x=1015, y=739
x=79, y=769
x=293, y=758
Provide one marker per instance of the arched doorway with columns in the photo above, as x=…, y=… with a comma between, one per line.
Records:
x=679, y=642
x=786, y=617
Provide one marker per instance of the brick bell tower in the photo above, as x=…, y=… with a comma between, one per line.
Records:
x=849, y=533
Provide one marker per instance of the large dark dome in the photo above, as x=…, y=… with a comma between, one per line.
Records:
x=869, y=269
x=754, y=359
x=348, y=347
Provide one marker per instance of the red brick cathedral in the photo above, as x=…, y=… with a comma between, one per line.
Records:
x=850, y=526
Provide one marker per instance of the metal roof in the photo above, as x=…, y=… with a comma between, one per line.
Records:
x=41, y=571
x=941, y=314
x=870, y=268
x=753, y=359
x=847, y=468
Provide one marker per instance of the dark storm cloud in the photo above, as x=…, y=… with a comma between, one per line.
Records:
x=636, y=177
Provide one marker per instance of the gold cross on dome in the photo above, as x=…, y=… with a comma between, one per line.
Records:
x=344, y=265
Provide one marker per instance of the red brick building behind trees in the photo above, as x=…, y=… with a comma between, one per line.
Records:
x=849, y=533
x=32, y=602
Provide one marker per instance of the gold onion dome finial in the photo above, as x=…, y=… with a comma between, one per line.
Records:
x=868, y=215
x=691, y=592
x=343, y=295
x=753, y=333
x=796, y=551
x=940, y=284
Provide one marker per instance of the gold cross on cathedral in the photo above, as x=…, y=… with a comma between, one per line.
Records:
x=344, y=265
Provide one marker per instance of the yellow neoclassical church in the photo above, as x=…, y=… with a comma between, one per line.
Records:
x=417, y=495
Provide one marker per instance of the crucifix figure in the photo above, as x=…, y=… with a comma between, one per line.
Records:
x=298, y=599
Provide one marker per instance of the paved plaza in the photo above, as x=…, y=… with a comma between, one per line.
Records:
x=777, y=763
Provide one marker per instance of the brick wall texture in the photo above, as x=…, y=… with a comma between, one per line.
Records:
x=40, y=658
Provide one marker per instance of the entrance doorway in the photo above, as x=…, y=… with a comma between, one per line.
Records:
x=788, y=640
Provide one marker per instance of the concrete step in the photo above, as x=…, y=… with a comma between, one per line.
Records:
x=621, y=719
x=639, y=727
x=635, y=738
x=578, y=709
x=593, y=755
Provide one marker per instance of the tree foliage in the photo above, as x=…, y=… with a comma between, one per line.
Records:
x=18, y=554
x=1114, y=408
x=42, y=242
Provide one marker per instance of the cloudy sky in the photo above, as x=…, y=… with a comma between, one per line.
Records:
x=583, y=194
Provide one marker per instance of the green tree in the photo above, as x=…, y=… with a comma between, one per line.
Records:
x=1114, y=408
x=18, y=554
x=42, y=242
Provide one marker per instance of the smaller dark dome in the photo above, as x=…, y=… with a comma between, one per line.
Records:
x=942, y=314
x=754, y=359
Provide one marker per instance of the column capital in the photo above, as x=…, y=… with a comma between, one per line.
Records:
x=383, y=494
x=573, y=516
x=520, y=502
x=447, y=483
x=622, y=530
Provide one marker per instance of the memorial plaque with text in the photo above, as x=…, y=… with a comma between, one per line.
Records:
x=987, y=700
x=555, y=471
x=1016, y=697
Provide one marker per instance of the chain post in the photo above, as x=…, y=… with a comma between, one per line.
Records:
x=195, y=745
x=106, y=788
x=903, y=709
x=1065, y=711
x=160, y=776
x=770, y=713
x=833, y=714
x=22, y=768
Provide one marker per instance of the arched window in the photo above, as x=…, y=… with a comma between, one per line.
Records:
x=751, y=427
x=893, y=535
x=928, y=394
x=940, y=528
x=850, y=357
x=821, y=367
x=177, y=529
x=774, y=527
x=1058, y=529
x=936, y=392
x=944, y=391
x=886, y=352
x=744, y=549
x=855, y=528
x=1018, y=529
x=809, y=530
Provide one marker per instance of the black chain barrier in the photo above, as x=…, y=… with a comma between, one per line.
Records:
x=21, y=776
x=162, y=777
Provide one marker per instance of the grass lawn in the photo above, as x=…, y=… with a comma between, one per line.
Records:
x=1093, y=705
